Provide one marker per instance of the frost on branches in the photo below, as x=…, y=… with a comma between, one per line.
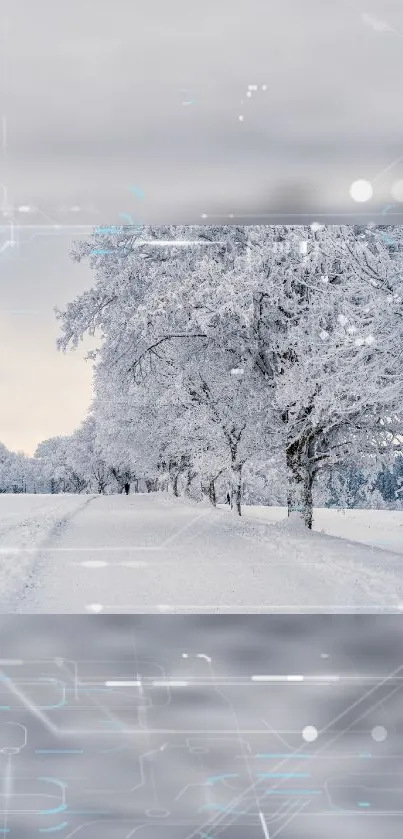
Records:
x=244, y=342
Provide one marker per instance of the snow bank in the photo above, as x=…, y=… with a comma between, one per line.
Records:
x=26, y=523
x=376, y=528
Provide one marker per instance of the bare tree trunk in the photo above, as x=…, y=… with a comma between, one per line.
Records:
x=209, y=491
x=175, y=485
x=162, y=484
x=300, y=483
x=151, y=484
x=236, y=487
x=189, y=480
x=212, y=493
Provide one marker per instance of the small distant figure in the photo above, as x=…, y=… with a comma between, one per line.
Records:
x=127, y=489
x=228, y=499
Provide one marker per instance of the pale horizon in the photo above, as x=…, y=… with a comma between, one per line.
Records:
x=47, y=392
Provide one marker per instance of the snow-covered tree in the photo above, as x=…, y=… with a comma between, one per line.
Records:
x=318, y=330
x=16, y=472
x=58, y=468
x=87, y=456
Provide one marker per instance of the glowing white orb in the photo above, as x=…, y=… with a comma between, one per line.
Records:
x=361, y=191
x=379, y=733
x=309, y=733
x=397, y=191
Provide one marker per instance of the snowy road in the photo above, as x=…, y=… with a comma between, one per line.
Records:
x=150, y=553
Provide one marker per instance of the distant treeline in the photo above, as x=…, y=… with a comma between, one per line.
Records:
x=53, y=469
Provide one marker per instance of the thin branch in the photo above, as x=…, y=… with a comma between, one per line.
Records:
x=161, y=341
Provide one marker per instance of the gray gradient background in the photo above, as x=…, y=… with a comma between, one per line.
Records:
x=91, y=92
x=104, y=775
x=92, y=103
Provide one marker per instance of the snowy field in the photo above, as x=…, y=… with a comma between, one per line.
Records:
x=26, y=522
x=151, y=553
x=379, y=528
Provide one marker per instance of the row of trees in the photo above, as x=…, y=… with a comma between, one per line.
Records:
x=64, y=464
x=18, y=473
x=232, y=358
x=220, y=347
x=78, y=464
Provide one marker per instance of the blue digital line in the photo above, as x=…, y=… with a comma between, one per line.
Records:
x=57, y=781
x=289, y=754
x=215, y=778
x=59, y=751
x=121, y=252
x=89, y=812
x=138, y=191
x=364, y=804
x=387, y=239
x=388, y=207
x=114, y=229
x=294, y=792
x=106, y=230
x=51, y=707
x=62, y=785
x=224, y=809
x=51, y=679
x=60, y=826
x=60, y=809
x=283, y=775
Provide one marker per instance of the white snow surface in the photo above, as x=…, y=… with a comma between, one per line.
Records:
x=151, y=553
x=380, y=528
x=26, y=522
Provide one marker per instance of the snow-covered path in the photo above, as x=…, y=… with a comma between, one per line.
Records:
x=150, y=553
x=26, y=521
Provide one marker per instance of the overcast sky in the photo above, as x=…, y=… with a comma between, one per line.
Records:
x=102, y=96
